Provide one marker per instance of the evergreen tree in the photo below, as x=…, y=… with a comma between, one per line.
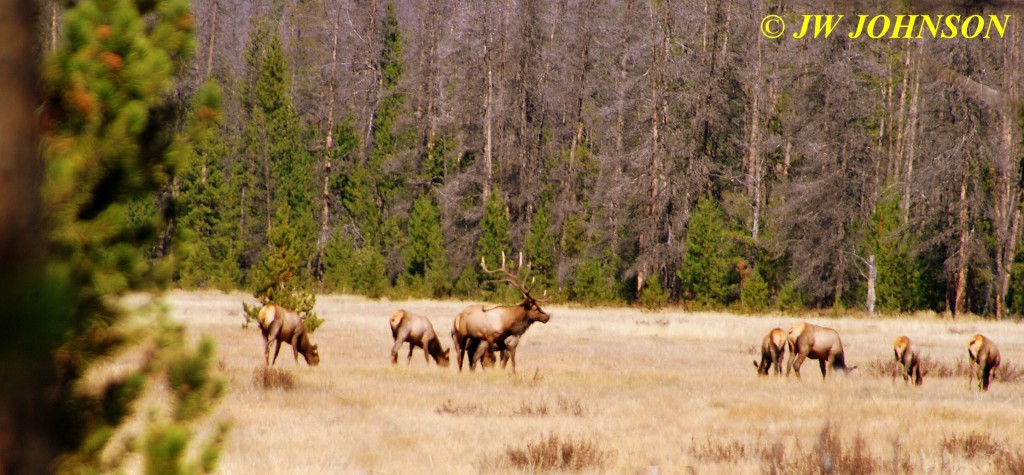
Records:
x=494, y=239
x=426, y=265
x=754, y=295
x=900, y=282
x=540, y=247
x=279, y=278
x=707, y=273
x=204, y=222
x=108, y=142
x=279, y=169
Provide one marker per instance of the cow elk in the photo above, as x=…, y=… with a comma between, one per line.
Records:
x=906, y=355
x=498, y=326
x=407, y=327
x=278, y=324
x=773, y=346
x=984, y=354
x=817, y=343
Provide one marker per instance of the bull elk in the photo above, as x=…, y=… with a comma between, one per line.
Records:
x=407, y=327
x=984, y=354
x=278, y=324
x=817, y=343
x=773, y=346
x=499, y=326
x=906, y=355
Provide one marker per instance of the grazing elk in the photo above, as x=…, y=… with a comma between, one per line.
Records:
x=984, y=354
x=418, y=332
x=496, y=325
x=906, y=355
x=817, y=343
x=772, y=348
x=279, y=324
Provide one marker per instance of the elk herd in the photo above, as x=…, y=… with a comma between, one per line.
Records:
x=480, y=330
x=805, y=340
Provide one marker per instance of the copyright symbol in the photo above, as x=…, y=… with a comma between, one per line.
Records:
x=772, y=26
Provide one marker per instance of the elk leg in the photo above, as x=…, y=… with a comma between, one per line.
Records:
x=795, y=364
x=277, y=349
x=295, y=346
x=266, y=350
x=400, y=337
x=426, y=353
x=270, y=336
x=511, y=343
x=458, y=343
x=791, y=363
x=985, y=373
x=823, y=364
x=491, y=345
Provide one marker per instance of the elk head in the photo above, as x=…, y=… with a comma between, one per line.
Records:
x=530, y=305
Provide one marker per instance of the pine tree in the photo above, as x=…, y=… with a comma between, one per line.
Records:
x=279, y=278
x=279, y=168
x=426, y=265
x=204, y=221
x=494, y=239
x=707, y=273
x=754, y=295
x=540, y=247
x=900, y=284
x=108, y=143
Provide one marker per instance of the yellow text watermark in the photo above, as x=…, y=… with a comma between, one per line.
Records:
x=890, y=26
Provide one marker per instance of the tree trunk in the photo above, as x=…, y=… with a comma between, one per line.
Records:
x=21, y=169
x=488, y=118
x=869, y=303
x=753, y=160
x=963, y=256
x=213, y=36
x=27, y=446
x=911, y=138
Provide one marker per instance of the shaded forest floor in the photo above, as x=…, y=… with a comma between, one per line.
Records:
x=606, y=390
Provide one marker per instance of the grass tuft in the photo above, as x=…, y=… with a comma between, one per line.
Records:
x=450, y=408
x=528, y=408
x=266, y=377
x=973, y=445
x=1010, y=462
x=551, y=453
x=719, y=451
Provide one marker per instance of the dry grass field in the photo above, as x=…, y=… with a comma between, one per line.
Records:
x=607, y=391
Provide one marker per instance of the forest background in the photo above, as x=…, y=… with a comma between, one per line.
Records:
x=653, y=153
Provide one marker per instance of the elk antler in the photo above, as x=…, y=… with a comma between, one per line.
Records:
x=509, y=276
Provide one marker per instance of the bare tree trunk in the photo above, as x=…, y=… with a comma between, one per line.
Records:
x=488, y=118
x=325, y=216
x=620, y=81
x=267, y=194
x=21, y=170
x=27, y=445
x=581, y=86
x=54, y=25
x=901, y=116
x=213, y=36
x=646, y=242
x=753, y=160
x=869, y=303
x=908, y=175
x=1009, y=178
x=963, y=256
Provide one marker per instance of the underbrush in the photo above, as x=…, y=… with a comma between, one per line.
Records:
x=886, y=367
x=550, y=453
x=832, y=453
x=266, y=377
